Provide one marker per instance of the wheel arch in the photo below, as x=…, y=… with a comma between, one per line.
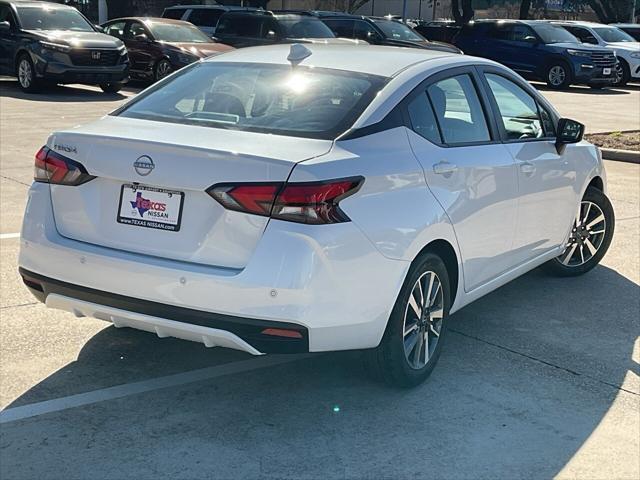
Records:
x=596, y=182
x=447, y=253
x=19, y=54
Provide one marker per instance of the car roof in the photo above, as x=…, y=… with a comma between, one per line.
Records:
x=208, y=7
x=150, y=20
x=33, y=3
x=369, y=59
x=579, y=23
x=625, y=25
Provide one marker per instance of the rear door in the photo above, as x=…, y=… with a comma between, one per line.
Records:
x=8, y=40
x=546, y=178
x=467, y=169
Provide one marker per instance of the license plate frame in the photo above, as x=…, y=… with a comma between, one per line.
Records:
x=155, y=195
x=606, y=71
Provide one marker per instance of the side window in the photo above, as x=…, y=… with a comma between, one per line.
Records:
x=501, y=32
x=459, y=111
x=423, y=120
x=270, y=29
x=239, y=26
x=364, y=31
x=134, y=30
x=7, y=16
x=519, y=33
x=205, y=17
x=340, y=28
x=174, y=13
x=583, y=35
x=115, y=29
x=518, y=110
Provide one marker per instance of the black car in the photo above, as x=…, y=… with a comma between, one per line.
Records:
x=205, y=17
x=44, y=42
x=440, y=30
x=379, y=31
x=253, y=28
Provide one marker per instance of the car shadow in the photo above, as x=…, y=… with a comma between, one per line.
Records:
x=583, y=89
x=65, y=93
x=527, y=375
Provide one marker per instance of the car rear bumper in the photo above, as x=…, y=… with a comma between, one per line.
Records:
x=327, y=282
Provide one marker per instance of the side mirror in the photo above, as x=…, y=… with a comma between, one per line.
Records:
x=530, y=39
x=5, y=26
x=271, y=35
x=99, y=28
x=141, y=38
x=569, y=131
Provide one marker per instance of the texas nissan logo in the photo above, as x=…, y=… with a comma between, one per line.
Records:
x=143, y=165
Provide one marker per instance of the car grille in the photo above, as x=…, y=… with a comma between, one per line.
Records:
x=603, y=59
x=87, y=57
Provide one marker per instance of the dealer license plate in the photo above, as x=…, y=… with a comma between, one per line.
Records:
x=150, y=207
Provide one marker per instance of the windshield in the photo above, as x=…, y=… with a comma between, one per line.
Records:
x=175, y=32
x=610, y=34
x=312, y=103
x=398, y=31
x=297, y=26
x=554, y=34
x=43, y=18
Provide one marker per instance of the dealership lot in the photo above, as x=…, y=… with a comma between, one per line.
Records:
x=539, y=378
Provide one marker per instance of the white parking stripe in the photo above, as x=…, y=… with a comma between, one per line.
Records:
x=9, y=235
x=111, y=393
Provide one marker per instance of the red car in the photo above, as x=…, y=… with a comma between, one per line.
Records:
x=159, y=46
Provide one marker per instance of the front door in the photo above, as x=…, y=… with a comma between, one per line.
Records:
x=470, y=173
x=8, y=41
x=546, y=178
x=139, y=43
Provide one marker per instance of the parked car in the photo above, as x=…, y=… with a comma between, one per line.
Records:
x=539, y=51
x=261, y=27
x=308, y=198
x=624, y=46
x=205, y=17
x=632, y=29
x=159, y=46
x=48, y=43
x=379, y=31
x=440, y=30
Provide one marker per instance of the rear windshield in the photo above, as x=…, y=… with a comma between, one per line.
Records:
x=45, y=18
x=299, y=26
x=277, y=99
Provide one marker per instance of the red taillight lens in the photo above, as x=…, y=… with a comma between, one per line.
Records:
x=51, y=167
x=313, y=203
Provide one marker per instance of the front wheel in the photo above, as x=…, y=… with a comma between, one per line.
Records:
x=163, y=68
x=412, y=342
x=590, y=237
x=27, y=74
x=623, y=73
x=558, y=76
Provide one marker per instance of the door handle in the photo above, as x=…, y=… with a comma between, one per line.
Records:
x=444, y=168
x=527, y=168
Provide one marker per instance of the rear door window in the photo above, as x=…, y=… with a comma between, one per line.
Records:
x=239, y=26
x=205, y=17
x=459, y=111
x=174, y=13
x=423, y=120
x=340, y=27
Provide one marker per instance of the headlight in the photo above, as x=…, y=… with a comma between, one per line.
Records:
x=579, y=53
x=635, y=55
x=55, y=46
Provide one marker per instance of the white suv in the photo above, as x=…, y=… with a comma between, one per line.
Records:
x=626, y=48
x=313, y=198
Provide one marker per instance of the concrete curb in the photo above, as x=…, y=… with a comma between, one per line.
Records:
x=621, y=155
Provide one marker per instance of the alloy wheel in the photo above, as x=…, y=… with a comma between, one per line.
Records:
x=163, y=69
x=557, y=75
x=25, y=73
x=423, y=320
x=587, y=235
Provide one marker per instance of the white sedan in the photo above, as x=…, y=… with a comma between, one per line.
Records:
x=314, y=198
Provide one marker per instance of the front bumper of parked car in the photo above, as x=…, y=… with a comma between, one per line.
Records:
x=59, y=67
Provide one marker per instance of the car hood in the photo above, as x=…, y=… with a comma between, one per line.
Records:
x=78, y=39
x=427, y=44
x=630, y=46
x=201, y=50
x=579, y=46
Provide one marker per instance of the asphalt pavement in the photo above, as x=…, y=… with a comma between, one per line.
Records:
x=539, y=379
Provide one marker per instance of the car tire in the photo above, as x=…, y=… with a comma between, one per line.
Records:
x=590, y=237
x=558, y=75
x=114, y=87
x=26, y=74
x=624, y=73
x=398, y=360
x=163, y=68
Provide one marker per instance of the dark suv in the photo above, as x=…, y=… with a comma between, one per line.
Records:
x=253, y=28
x=47, y=42
x=539, y=51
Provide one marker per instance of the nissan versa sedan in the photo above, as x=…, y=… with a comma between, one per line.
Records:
x=310, y=198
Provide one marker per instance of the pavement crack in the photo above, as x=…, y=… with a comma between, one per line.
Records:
x=544, y=362
x=19, y=305
x=14, y=180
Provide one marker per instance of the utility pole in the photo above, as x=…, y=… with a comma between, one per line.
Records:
x=404, y=11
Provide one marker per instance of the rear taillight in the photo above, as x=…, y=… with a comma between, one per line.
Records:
x=51, y=167
x=313, y=203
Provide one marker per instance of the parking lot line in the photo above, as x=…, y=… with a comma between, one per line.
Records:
x=4, y=236
x=120, y=391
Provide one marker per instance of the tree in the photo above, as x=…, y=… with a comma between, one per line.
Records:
x=608, y=11
x=464, y=16
x=524, y=9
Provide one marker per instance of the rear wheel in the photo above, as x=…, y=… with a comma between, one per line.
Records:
x=114, y=87
x=163, y=68
x=558, y=75
x=413, y=339
x=590, y=237
x=26, y=74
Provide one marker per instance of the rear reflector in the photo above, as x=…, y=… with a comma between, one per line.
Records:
x=313, y=203
x=281, y=332
x=51, y=167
